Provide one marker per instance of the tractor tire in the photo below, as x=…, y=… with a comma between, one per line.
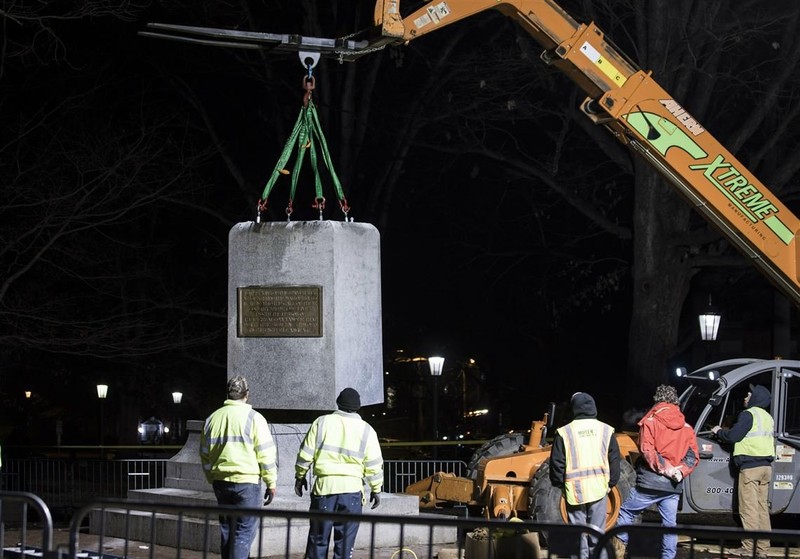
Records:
x=499, y=446
x=546, y=502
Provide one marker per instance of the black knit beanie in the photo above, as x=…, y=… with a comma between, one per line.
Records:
x=348, y=400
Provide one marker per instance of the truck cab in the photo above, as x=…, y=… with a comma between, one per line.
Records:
x=715, y=396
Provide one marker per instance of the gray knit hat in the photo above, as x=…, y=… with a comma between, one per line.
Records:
x=666, y=393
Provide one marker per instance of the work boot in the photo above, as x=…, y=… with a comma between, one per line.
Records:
x=619, y=547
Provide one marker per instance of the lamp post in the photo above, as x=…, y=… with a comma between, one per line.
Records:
x=436, y=364
x=28, y=395
x=176, y=399
x=709, y=323
x=709, y=326
x=102, y=394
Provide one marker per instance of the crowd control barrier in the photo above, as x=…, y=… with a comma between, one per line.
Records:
x=66, y=484
x=33, y=522
x=120, y=529
x=645, y=540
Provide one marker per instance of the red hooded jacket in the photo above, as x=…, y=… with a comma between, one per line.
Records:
x=665, y=441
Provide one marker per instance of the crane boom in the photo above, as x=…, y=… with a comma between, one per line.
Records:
x=639, y=113
x=619, y=96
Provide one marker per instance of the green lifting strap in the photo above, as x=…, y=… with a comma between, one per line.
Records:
x=305, y=136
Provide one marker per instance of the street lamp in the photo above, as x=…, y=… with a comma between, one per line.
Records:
x=709, y=323
x=176, y=399
x=28, y=395
x=102, y=394
x=436, y=364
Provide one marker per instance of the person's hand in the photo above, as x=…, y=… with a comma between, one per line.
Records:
x=675, y=474
x=375, y=499
x=715, y=428
x=269, y=494
x=299, y=485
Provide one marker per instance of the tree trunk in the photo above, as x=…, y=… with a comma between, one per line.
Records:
x=661, y=278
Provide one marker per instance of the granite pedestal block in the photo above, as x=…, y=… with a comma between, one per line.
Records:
x=281, y=275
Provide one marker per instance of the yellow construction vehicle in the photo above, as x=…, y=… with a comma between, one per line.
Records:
x=509, y=478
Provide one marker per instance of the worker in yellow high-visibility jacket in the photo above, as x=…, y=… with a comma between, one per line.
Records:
x=343, y=453
x=753, y=438
x=584, y=462
x=237, y=453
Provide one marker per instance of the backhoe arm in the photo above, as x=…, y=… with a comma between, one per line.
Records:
x=640, y=114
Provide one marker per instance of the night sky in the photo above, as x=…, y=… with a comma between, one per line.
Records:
x=130, y=158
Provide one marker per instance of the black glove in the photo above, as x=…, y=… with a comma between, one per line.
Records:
x=299, y=485
x=269, y=494
x=375, y=499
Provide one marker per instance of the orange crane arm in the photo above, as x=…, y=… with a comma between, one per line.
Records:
x=640, y=114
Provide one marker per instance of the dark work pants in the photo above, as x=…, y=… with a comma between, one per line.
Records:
x=237, y=532
x=344, y=533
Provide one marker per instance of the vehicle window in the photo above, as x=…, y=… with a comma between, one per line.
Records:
x=734, y=405
x=695, y=399
x=735, y=401
x=694, y=402
x=792, y=406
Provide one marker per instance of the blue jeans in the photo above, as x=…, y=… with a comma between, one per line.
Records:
x=237, y=532
x=344, y=533
x=640, y=499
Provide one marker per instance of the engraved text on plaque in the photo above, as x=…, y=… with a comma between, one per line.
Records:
x=279, y=312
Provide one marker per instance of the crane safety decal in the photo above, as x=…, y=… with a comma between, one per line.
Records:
x=602, y=64
x=662, y=134
x=433, y=14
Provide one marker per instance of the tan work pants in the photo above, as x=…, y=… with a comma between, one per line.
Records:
x=754, y=504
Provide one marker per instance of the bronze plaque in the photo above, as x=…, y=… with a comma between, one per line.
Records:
x=279, y=312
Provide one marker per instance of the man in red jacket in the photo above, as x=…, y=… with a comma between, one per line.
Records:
x=668, y=454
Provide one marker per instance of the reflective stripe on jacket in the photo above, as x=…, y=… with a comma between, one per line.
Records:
x=344, y=452
x=236, y=446
x=759, y=440
x=587, y=471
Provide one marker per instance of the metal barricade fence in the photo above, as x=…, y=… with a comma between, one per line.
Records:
x=33, y=533
x=399, y=474
x=283, y=533
x=123, y=529
x=645, y=540
x=65, y=484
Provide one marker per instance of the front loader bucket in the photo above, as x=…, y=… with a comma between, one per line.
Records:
x=442, y=487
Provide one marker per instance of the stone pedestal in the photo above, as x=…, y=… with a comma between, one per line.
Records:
x=304, y=312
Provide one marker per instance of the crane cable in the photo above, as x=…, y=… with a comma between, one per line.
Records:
x=306, y=134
